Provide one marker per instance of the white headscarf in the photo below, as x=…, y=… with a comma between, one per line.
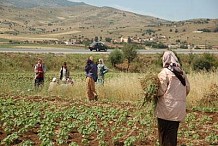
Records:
x=168, y=58
x=54, y=79
x=102, y=61
x=171, y=62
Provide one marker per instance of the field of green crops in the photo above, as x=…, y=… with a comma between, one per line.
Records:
x=65, y=118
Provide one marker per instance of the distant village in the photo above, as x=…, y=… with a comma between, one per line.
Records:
x=149, y=38
x=151, y=42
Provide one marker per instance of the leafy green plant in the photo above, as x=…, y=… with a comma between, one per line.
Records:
x=212, y=138
x=205, y=62
x=150, y=86
x=116, y=57
x=130, y=141
x=130, y=53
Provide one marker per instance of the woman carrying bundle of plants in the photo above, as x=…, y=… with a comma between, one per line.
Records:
x=171, y=105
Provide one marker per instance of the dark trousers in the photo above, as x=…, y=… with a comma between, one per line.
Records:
x=39, y=81
x=167, y=131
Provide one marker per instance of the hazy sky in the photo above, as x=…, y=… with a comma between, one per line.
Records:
x=175, y=10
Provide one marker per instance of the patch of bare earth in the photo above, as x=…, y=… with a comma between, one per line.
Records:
x=75, y=136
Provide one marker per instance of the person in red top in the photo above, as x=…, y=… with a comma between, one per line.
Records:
x=39, y=70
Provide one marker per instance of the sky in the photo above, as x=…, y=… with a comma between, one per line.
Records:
x=174, y=10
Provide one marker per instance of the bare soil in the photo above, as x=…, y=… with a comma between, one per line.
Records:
x=74, y=136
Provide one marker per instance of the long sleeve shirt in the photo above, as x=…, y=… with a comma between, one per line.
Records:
x=171, y=104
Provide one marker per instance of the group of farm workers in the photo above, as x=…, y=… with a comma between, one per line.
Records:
x=95, y=72
x=173, y=90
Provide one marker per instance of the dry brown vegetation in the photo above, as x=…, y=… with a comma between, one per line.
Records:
x=87, y=21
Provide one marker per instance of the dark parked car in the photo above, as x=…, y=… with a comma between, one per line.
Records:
x=98, y=46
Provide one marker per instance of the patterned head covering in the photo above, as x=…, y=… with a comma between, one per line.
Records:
x=171, y=62
x=168, y=58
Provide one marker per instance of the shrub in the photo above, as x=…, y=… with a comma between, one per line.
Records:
x=204, y=30
x=116, y=57
x=149, y=31
x=160, y=45
x=155, y=44
x=184, y=46
x=205, y=62
x=130, y=53
x=86, y=43
x=148, y=43
x=108, y=39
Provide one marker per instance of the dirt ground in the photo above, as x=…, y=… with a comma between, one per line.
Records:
x=185, y=138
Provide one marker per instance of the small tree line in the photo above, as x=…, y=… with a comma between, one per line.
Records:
x=206, y=62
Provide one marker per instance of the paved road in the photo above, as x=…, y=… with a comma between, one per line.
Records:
x=51, y=50
x=86, y=51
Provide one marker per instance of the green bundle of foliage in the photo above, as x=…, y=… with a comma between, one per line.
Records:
x=150, y=85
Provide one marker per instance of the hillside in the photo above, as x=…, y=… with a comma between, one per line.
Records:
x=38, y=3
x=63, y=20
x=83, y=18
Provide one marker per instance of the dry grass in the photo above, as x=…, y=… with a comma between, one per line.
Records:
x=127, y=87
x=20, y=38
x=77, y=91
x=200, y=85
x=62, y=33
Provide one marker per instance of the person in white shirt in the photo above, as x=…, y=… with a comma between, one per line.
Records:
x=64, y=73
x=53, y=85
x=102, y=70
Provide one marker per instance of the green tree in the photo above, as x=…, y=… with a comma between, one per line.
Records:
x=107, y=39
x=205, y=62
x=86, y=43
x=116, y=57
x=149, y=31
x=130, y=53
